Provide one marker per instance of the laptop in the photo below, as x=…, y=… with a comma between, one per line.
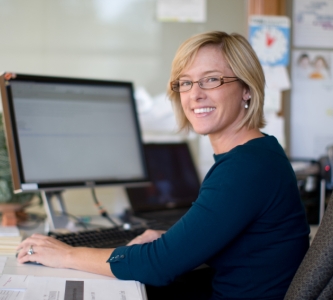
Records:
x=174, y=185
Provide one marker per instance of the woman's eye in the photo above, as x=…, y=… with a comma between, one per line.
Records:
x=185, y=83
x=212, y=79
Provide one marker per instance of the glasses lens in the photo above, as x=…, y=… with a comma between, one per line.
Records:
x=205, y=83
x=181, y=85
x=210, y=82
x=175, y=85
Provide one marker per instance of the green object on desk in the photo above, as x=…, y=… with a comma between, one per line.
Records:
x=6, y=187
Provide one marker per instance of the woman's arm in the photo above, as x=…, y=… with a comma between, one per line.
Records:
x=53, y=253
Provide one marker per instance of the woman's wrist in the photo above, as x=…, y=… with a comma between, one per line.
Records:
x=88, y=259
x=69, y=258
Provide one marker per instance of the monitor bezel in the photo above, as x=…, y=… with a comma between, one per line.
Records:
x=13, y=144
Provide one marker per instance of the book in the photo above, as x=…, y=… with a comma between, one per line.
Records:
x=10, y=238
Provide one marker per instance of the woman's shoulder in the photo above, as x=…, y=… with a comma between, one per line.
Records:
x=257, y=157
x=258, y=148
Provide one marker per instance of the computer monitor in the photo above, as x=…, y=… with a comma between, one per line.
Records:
x=69, y=133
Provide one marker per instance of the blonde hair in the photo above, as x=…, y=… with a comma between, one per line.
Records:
x=242, y=60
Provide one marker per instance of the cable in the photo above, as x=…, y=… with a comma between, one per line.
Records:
x=101, y=209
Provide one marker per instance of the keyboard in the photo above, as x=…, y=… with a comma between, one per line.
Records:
x=99, y=238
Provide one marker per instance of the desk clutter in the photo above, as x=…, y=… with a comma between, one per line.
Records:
x=314, y=180
x=27, y=282
x=38, y=282
x=10, y=238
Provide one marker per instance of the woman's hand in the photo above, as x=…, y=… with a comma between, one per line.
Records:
x=45, y=250
x=148, y=236
x=53, y=253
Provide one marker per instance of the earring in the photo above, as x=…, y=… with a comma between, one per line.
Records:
x=246, y=102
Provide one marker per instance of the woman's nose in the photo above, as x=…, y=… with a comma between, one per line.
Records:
x=196, y=92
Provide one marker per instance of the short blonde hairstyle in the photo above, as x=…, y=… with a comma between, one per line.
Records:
x=242, y=60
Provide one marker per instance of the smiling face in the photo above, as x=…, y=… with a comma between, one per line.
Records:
x=215, y=112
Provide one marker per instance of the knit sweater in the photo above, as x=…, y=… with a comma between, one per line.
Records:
x=248, y=223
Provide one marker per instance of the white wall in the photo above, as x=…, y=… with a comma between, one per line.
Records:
x=108, y=39
x=101, y=38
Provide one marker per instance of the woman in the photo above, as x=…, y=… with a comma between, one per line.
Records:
x=247, y=223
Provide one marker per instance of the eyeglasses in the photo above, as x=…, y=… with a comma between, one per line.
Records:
x=205, y=83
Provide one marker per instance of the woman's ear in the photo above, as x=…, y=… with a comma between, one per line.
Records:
x=246, y=94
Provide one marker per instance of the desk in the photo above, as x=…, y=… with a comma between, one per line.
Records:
x=109, y=288
x=130, y=290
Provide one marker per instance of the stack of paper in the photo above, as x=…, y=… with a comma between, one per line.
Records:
x=23, y=287
x=13, y=287
x=10, y=238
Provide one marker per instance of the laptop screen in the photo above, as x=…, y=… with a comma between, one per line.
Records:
x=174, y=179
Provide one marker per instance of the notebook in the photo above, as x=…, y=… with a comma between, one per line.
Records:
x=174, y=185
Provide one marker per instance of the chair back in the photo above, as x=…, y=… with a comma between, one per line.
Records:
x=314, y=277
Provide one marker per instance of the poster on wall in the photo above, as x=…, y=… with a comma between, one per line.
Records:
x=313, y=23
x=312, y=103
x=181, y=11
x=269, y=37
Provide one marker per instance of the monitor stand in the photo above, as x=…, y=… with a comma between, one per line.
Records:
x=57, y=219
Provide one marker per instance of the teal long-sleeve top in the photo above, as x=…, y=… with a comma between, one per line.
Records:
x=248, y=223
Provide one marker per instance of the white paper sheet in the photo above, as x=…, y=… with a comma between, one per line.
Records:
x=272, y=100
x=36, y=279
x=9, y=231
x=3, y=260
x=13, y=282
x=277, y=78
x=311, y=107
x=93, y=289
x=11, y=295
x=313, y=23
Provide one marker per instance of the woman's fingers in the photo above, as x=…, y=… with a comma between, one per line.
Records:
x=138, y=240
x=26, y=244
x=45, y=250
x=148, y=236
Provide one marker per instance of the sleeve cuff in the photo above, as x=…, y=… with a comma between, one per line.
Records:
x=119, y=263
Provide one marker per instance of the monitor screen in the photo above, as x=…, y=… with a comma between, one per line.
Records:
x=174, y=179
x=71, y=132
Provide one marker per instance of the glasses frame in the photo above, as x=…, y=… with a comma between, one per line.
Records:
x=222, y=82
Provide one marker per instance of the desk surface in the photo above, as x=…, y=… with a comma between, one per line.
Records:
x=15, y=268
x=9, y=266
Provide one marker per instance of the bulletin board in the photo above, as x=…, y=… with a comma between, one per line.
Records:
x=311, y=120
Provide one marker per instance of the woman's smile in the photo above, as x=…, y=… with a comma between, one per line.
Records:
x=203, y=110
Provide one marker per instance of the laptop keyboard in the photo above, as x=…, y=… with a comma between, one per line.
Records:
x=99, y=238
